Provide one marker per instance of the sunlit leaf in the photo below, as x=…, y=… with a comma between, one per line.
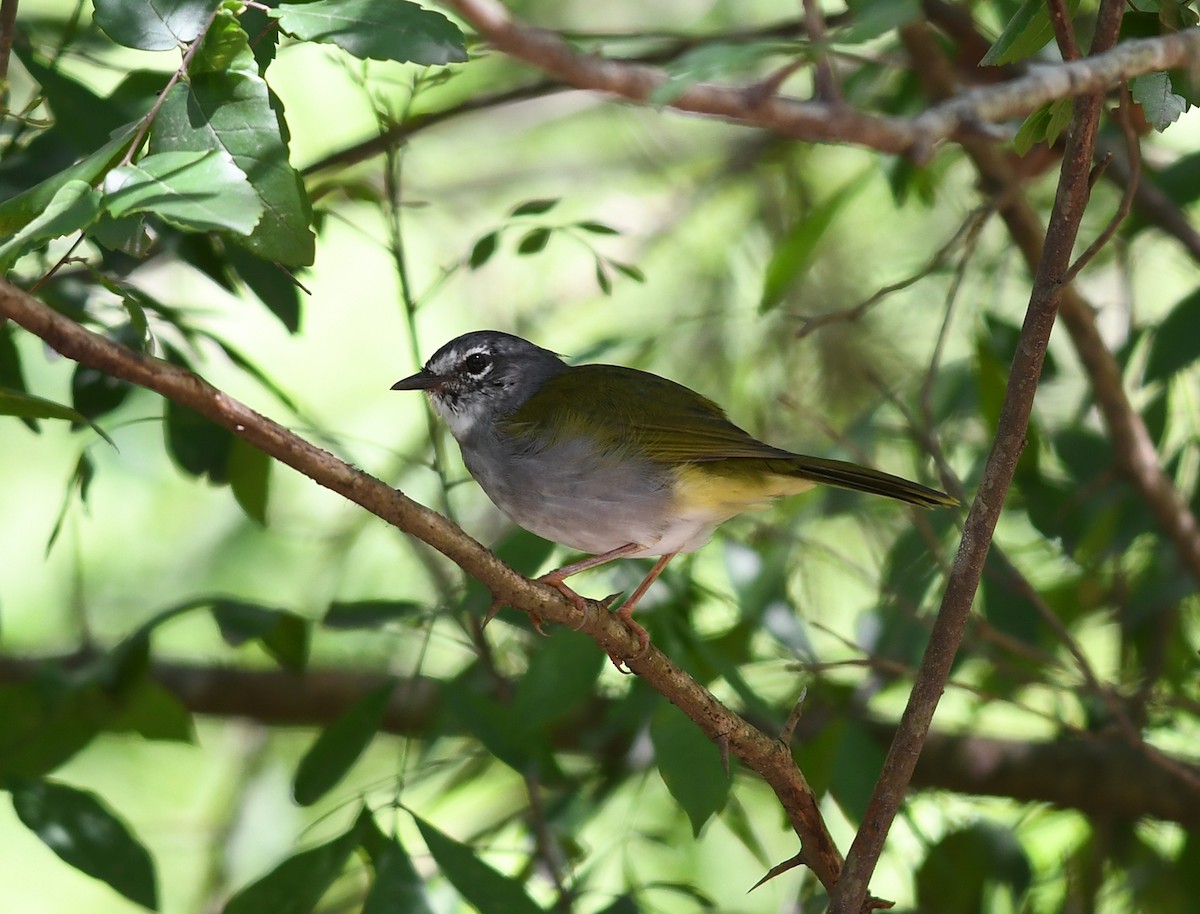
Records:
x=376, y=29
x=196, y=191
x=1026, y=33
x=226, y=106
x=74, y=206
x=153, y=25
x=86, y=834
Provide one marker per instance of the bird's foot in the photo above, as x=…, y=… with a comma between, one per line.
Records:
x=625, y=614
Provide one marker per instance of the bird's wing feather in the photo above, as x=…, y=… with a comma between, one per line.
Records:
x=634, y=412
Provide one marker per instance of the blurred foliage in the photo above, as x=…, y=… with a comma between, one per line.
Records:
x=237, y=217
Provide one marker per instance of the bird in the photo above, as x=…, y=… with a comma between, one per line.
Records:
x=614, y=462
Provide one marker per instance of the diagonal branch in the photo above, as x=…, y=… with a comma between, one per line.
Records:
x=956, y=119
x=950, y=625
x=770, y=758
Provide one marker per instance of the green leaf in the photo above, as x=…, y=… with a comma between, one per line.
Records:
x=376, y=29
x=871, y=18
x=153, y=25
x=1158, y=100
x=857, y=762
x=43, y=724
x=1176, y=343
x=957, y=870
x=74, y=206
x=602, y=278
x=227, y=106
x=689, y=764
x=368, y=613
x=794, y=253
x=284, y=635
x=296, y=885
x=18, y=211
x=129, y=236
x=485, y=888
x=154, y=713
x=249, y=478
x=87, y=835
x=1043, y=125
x=12, y=378
x=194, y=191
x=561, y=677
x=483, y=250
x=535, y=207
x=397, y=888
x=706, y=63
x=1027, y=32
x=597, y=228
x=339, y=745
x=28, y=406
x=198, y=445
x=271, y=284
x=533, y=241
x=96, y=393
x=628, y=270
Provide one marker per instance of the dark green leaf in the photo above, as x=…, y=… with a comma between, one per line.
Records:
x=153, y=25
x=1043, y=125
x=1027, y=32
x=81, y=479
x=856, y=766
x=79, y=112
x=561, y=677
x=397, y=888
x=535, y=207
x=271, y=284
x=95, y=393
x=284, y=635
x=44, y=723
x=194, y=191
x=629, y=270
x=493, y=724
x=689, y=764
x=485, y=888
x=956, y=871
x=339, y=746
x=27, y=406
x=226, y=106
x=154, y=713
x=533, y=241
x=376, y=29
x=249, y=478
x=87, y=835
x=483, y=250
x=597, y=228
x=198, y=445
x=74, y=206
x=369, y=613
x=18, y=211
x=1158, y=100
x=602, y=278
x=794, y=253
x=296, y=885
x=12, y=378
x=1176, y=343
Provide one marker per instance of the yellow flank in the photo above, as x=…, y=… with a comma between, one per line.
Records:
x=717, y=488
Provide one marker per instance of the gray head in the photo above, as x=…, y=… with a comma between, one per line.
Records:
x=485, y=374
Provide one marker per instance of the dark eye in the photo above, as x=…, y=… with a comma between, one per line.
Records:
x=476, y=363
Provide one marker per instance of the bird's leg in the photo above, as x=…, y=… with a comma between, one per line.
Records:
x=555, y=578
x=625, y=613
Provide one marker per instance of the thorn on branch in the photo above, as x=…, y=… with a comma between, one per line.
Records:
x=780, y=868
x=1099, y=169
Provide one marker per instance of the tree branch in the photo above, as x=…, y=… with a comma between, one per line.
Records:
x=814, y=121
x=767, y=756
x=950, y=625
x=1098, y=776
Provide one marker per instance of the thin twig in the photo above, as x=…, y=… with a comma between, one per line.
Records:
x=1064, y=32
x=1133, y=147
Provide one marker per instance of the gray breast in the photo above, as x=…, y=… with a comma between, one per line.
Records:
x=572, y=493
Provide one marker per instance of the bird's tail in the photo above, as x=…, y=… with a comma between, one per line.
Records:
x=863, y=479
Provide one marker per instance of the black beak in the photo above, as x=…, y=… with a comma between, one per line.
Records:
x=422, y=380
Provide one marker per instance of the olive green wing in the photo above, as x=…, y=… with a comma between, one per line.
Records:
x=635, y=412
